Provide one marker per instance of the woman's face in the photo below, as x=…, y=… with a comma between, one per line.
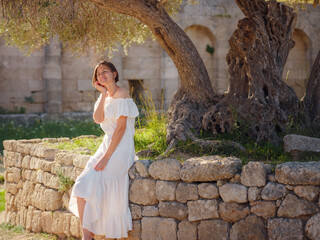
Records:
x=105, y=75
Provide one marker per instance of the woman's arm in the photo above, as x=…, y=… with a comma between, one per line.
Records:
x=116, y=137
x=98, y=114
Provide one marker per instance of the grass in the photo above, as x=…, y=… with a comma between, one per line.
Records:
x=2, y=200
x=64, y=181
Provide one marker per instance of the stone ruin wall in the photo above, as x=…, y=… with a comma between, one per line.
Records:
x=205, y=198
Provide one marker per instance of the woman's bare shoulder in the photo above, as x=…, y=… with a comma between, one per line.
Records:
x=122, y=93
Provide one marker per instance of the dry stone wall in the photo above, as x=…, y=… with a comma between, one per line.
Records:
x=208, y=197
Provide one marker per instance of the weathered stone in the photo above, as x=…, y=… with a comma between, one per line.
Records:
x=289, y=187
x=254, y=174
x=250, y=228
x=254, y=193
x=36, y=221
x=273, y=191
x=46, y=199
x=12, y=188
x=165, y=191
x=232, y=212
x=34, y=163
x=308, y=192
x=174, y=210
x=16, y=174
x=142, y=167
x=135, y=211
x=51, y=180
x=135, y=233
x=232, y=192
x=75, y=229
x=236, y=178
x=186, y=191
x=156, y=228
x=213, y=230
x=202, y=209
x=165, y=169
x=208, y=190
x=313, y=227
x=271, y=178
x=283, y=228
x=58, y=222
x=143, y=191
x=45, y=152
x=209, y=168
x=45, y=165
x=294, y=143
x=263, y=209
x=293, y=207
x=46, y=221
x=64, y=158
x=150, y=211
x=26, y=162
x=29, y=218
x=187, y=230
x=132, y=172
x=298, y=173
x=8, y=144
x=80, y=161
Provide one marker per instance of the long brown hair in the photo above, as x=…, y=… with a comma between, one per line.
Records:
x=108, y=65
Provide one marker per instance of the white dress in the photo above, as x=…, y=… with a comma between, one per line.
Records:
x=106, y=192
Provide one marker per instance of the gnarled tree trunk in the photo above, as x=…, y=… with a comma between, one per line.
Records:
x=257, y=95
x=312, y=97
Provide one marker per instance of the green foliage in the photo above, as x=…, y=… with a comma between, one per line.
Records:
x=65, y=183
x=88, y=143
x=15, y=111
x=12, y=228
x=2, y=200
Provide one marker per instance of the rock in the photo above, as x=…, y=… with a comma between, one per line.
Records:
x=254, y=193
x=155, y=228
x=58, y=222
x=294, y=143
x=208, y=190
x=273, y=191
x=165, y=169
x=221, y=182
x=165, y=191
x=75, y=229
x=271, y=178
x=64, y=158
x=150, y=211
x=233, y=212
x=135, y=211
x=313, y=227
x=135, y=233
x=283, y=228
x=45, y=165
x=26, y=162
x=36, y=221
x=213, y=230
x=46, y=221
x=250, y=228
x=143, y=191
x=209, y=168
x=263, y=209
x=186, y=191
x=142, y=167
x=293, y=207
x=174, y=210
x=132, y=172
x=80, y=161
x=298, y=173
x=232, y=192
x=254, y=174
x=202, y=209
x=308, y=192
x=187, y=230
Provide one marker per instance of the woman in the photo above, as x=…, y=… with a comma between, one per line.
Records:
x=100, y=194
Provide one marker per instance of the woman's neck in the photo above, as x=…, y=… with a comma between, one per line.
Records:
x=112, y=89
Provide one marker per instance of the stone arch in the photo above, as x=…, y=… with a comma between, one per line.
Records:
x=298, y=65
x=205, y=42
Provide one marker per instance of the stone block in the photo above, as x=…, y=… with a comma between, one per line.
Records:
x=64, y=158
x=293, y=207
x=165, y=191
x=165, y=169
x=8, y=145
x=187, y=230
x=46, y=199
x=12, y=188
x=209, y=168
x=283, y=228
x=254, y=193
x=36, y=221
x=29, y=218
x=150, y=211
x=58, y=223
x=132, y=172
x=135, y=233
x=186, y=191
x=298, y=173
x=208, y=190
x=254, y=174
x=310, y=193
x=143, y=191
x=232, y=192
x=298, y=143
x=142, y=167
x=84, y=85
x=16, y=174
x=135, y=211
x=26, y=162
x=156, y=228
x=202, y=209
x=263, y=209
x=45, y=165
x=173, y=210
x=51, y=181
x=213, y=230
x=273, y=191
x=233, y=212
x=80, y=161
x=312, y=228
x=75, y=229
x=250, y=228
x=34, y=163
x=67, y=224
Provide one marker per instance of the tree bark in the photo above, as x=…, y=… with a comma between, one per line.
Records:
x=312, y=97
x=195, y=94
x=257, y=96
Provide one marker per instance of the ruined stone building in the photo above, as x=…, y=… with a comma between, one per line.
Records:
x=53, y=80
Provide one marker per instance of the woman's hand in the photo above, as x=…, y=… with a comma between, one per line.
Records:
x=101, y=164
x=100, y=88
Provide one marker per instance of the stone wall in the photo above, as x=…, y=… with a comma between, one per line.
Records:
x=205, y=198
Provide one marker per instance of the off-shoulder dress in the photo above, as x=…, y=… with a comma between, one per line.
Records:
x=106, y=192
